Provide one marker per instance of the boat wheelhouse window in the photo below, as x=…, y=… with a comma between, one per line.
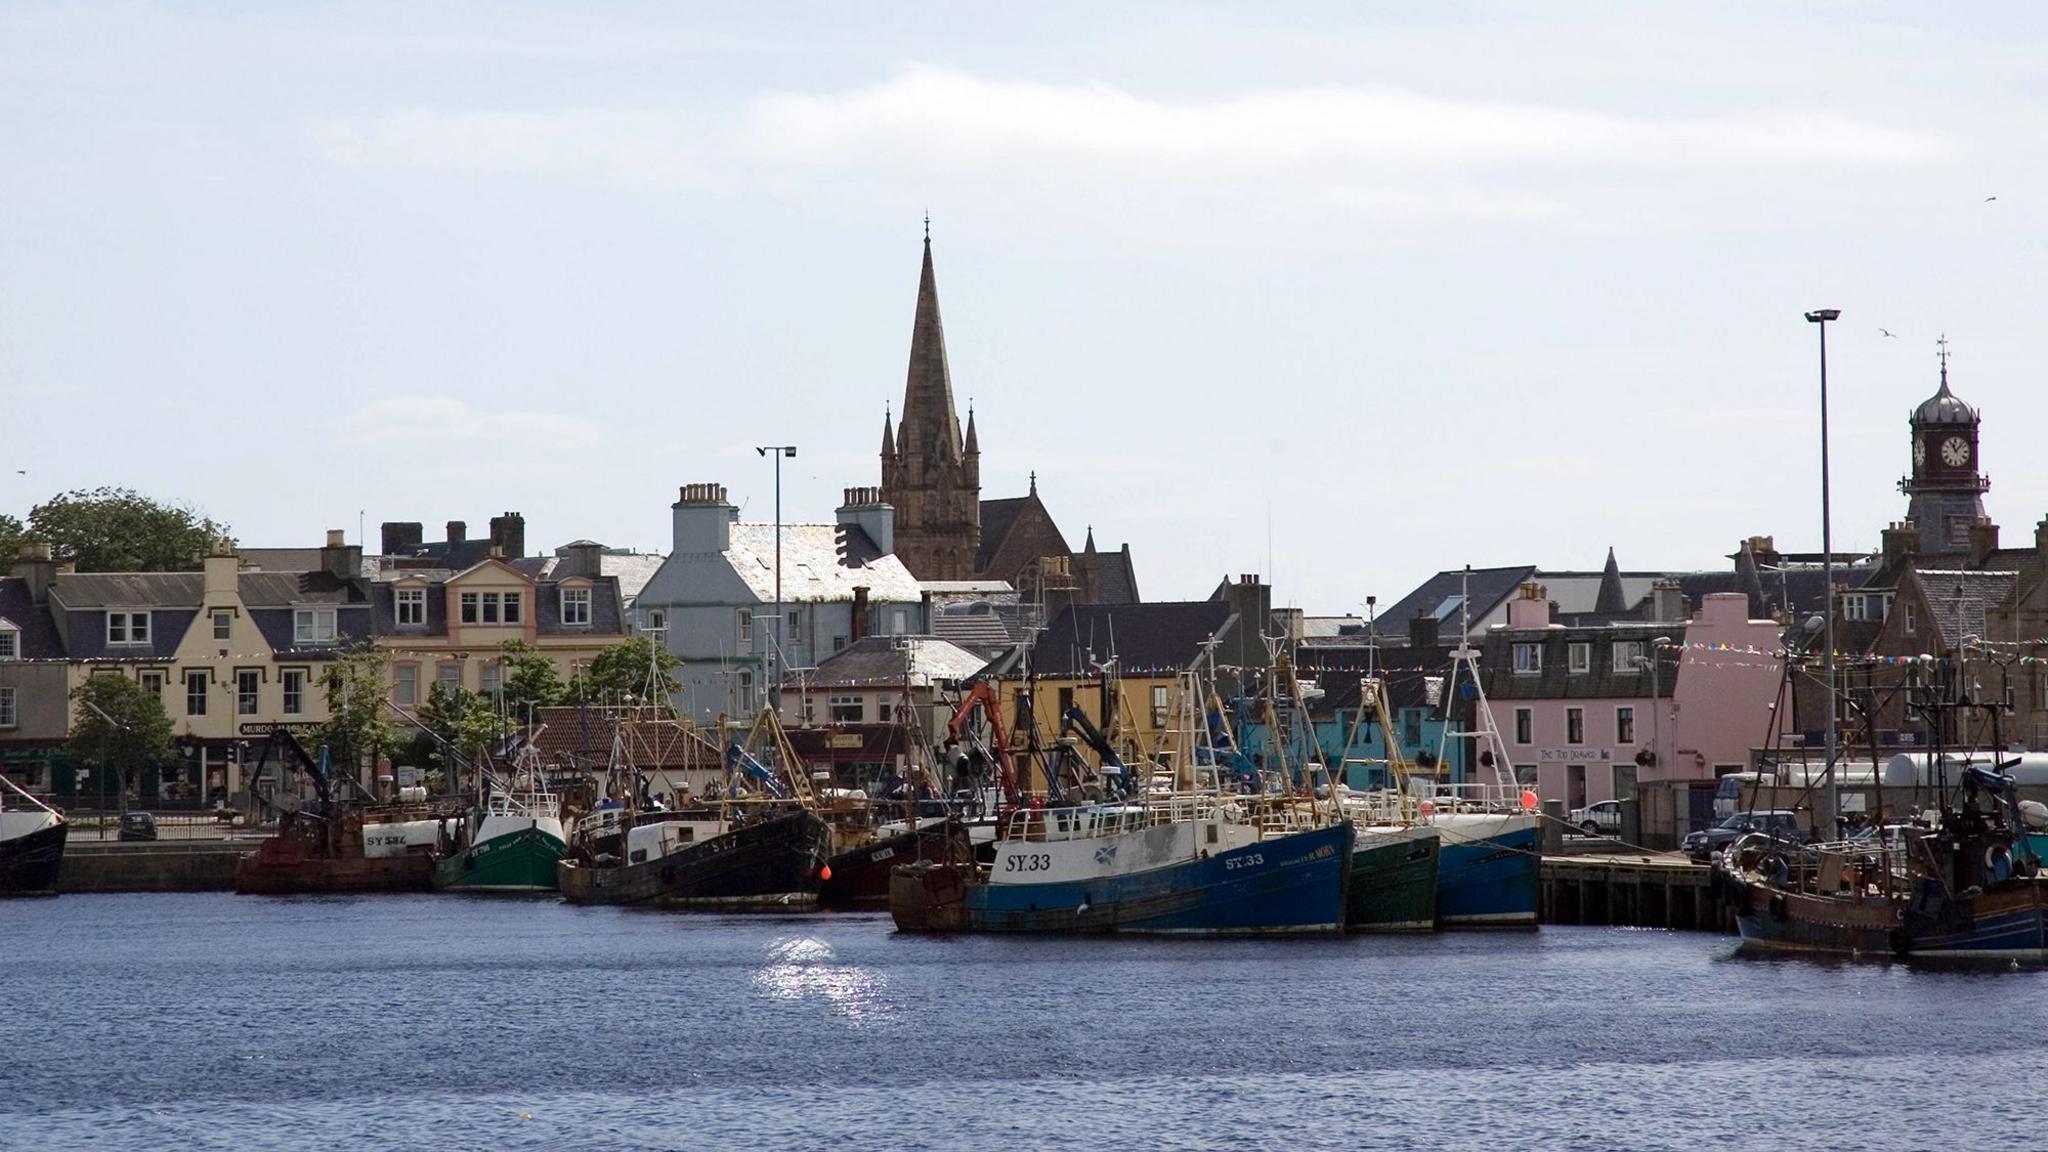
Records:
x=1212, y=833
x=1579, y=657
x=847, y=710
x=1528, y=657
x=639, y=856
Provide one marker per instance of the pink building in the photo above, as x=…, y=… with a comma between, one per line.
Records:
x=1592, y=709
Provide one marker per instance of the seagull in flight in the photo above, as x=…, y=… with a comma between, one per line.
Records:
x=1888, y=332
x=1989, y=199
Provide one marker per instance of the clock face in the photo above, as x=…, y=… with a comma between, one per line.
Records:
x=1955, y=451
x=1919, y=451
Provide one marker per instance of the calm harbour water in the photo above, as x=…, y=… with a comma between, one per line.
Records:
x=211, y=1021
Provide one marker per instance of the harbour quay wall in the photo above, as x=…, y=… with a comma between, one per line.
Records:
x=1630, y=891
x=197, y=866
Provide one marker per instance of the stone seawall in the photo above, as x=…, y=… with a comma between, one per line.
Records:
x=204, y=866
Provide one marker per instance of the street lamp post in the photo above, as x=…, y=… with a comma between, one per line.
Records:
x=770, y=668
x=1830, y=792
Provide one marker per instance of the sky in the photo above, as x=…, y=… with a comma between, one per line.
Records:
x=1341, y=294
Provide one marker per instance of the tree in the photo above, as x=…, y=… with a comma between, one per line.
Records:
x=622, y=670
x=530, y=680
x=357, y=727
x=121, y=530
x=461, y=718
x=11, y=533
x=120, y=725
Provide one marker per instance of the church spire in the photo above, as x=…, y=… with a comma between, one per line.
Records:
x=973, y=441
x=931, y=425
x=888, y=434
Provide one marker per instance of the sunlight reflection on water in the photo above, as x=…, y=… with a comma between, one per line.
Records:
x=801, y=968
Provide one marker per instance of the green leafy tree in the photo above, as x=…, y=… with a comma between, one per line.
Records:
x=121, y=530
x=530, y=680
x=623, y=670
x=119, y=725
x=462, y=719
x=11, y=534
x=358, y=729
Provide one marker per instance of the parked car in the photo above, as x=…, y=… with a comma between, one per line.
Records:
x=1602, y=819
x=1783, y=825
x=138, y=826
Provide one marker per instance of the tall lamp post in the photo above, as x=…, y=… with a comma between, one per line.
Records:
x=1821, y=316
x=771, y=667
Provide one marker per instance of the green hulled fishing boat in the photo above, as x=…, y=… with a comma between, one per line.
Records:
x=1393, y=880
x=510, y=844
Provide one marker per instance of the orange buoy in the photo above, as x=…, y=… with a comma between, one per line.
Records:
x=825, y=873
x=1528, y=798
x=1428, y=808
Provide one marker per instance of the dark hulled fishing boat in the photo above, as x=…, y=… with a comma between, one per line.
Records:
x=31, y=843
x=1392, y=887
x=705, y=862
x=330, y=846
x=859, y=876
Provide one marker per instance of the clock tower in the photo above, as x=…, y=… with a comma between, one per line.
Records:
x=1945, y=488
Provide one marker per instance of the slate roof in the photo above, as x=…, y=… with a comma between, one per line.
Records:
x=976, y=624
x=1160, y=638
x=819, y=562
x=130, y=589
x=884, y=660
x=997, y=518
x=1556, y=681
x=1959, y=600
x=1116, y=581
x=1489, y=586
x=39, y=639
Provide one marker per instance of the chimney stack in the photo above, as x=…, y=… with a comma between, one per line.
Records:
x=702, y=520
x=864, y=508
x=1667, y=601
x=458, y=532
x=1423, y=630
x=508, y=535
x=399, y=535
x=36, y=567
x=581, y=558
x=340, y=559
x=1983, y=541
x=860, y=613
x=1901, y=539
x=1531, y=606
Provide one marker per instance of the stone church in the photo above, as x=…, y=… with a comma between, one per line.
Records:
x=931, y=474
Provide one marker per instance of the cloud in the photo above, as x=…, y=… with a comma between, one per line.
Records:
x=426, y=422
x=944, y=118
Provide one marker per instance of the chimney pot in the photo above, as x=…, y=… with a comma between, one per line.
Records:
x=335, y=537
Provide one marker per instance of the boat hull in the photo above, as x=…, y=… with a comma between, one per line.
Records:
x=859, y=877
x=518, y=861
x=1774, y=921
x=2008, y=922
x=1393, y=880
x=1287, y=885
x=1487, y=871
x=284, y=874
x=772, y=864
x=29, y=863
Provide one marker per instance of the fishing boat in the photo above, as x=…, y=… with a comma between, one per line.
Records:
x=1132, y=869
x=858, y=877
x=31, y=842
x=509, y=844
x=326, y=845
x=758, y=844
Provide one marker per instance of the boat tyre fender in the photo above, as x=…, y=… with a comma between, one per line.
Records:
x=1998, y=863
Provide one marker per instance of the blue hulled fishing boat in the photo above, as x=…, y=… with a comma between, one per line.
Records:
x=1486, y=869
x=1103, y=869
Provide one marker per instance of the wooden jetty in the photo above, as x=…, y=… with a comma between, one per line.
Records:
x=1658, y=890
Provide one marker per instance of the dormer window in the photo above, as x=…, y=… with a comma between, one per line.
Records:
x=10, y=642
x=576, y=606
x=411, y=606
x=127, y=627
x=313, y=626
